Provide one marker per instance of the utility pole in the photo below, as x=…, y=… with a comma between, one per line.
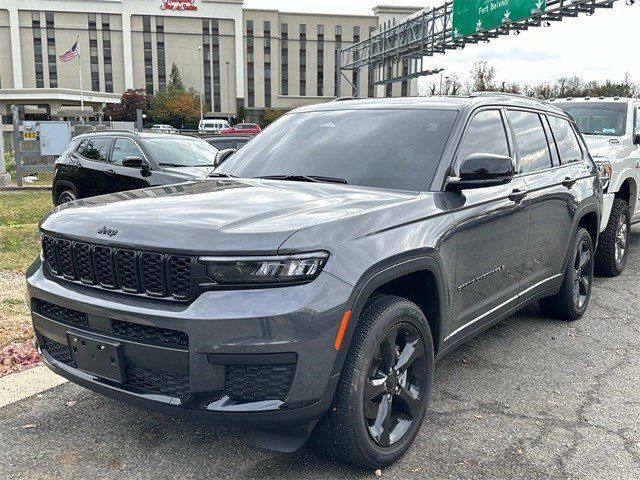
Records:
x=228, y=94
x=202, y=91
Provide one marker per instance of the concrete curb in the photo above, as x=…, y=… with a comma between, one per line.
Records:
x=18, y=386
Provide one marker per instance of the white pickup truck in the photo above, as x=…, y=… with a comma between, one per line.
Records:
x=611, y=127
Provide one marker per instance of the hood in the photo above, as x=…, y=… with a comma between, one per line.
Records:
x=215, y=215
x=189, y=173
x=610, y=148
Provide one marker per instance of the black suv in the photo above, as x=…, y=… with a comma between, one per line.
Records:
x=109, y=162
x=310, y=286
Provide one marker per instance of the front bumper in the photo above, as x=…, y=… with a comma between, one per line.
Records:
x=261, y=357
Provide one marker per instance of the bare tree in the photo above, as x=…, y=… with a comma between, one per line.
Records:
x=483, y=77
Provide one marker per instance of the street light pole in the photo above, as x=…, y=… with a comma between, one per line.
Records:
x=228, y=94
x=202, y=91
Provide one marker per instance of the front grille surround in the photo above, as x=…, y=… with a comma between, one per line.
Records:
x=154, y=274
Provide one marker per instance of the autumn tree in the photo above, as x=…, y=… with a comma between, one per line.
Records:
x=130, y=102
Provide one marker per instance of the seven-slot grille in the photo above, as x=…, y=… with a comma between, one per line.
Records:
x=131, y=271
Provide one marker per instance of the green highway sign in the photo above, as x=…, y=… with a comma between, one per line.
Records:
x=470, y=16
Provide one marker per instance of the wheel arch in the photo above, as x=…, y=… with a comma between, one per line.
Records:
x=404, y=277
x=628, y=191
x=62, y=185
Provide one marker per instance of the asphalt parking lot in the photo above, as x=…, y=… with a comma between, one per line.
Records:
x=530, y=398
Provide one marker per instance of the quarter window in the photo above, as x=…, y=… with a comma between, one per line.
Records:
x=532, y=142
x=485, y=134
x=124, y=148
x=95, y=149
x=568, y=146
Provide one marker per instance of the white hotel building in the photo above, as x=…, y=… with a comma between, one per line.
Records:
x=238, y=57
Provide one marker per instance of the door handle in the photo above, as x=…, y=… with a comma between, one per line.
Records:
x=569, y=182
x=518, y=195
x=110, y=172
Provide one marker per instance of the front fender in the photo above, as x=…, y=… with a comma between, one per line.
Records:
x=385, y=272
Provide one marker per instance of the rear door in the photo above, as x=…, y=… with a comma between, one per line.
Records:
x=491, y=233
x=553, y=180
x=93, y=155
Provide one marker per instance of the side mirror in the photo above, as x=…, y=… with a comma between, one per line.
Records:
x=223, y=155
x=135, y=162
x=636, y=138
x=483, y=170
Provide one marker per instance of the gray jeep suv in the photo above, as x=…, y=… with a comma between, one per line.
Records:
x=308, y=287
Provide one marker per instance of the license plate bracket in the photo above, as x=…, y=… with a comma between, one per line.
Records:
x=97, y=356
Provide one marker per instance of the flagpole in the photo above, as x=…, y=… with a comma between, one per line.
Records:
x=80, y=75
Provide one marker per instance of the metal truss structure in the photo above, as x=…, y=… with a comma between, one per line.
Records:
x=399, y=53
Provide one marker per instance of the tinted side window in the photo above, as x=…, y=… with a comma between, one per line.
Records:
x=124, y=148
x=532, y=142
x=96, y=149
x=636, y=108
x=485, y=134
x=565, y=136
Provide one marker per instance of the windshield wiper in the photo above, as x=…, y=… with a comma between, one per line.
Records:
x=305, y=178
x=221, y=175
x=162, y=164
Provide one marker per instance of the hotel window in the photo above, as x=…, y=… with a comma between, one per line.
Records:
x=389, y=86
x=93, y=53
x=215, y=54
x=106, y=52
x=267, y=64
x=371, y=88
x=303, y=60
x=51, y=50
x=338, y=48
x=37, y=49
x=160, y=47
x=320, y=91
x=148, y=56
x=251, y=92
x=206, y=60
x=356, y=72
x=284, y=59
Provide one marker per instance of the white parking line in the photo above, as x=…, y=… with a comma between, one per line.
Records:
x=18, y=386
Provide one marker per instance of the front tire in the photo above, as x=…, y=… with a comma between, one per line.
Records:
x=384, y=386
x=612, y=251
x=572, y=300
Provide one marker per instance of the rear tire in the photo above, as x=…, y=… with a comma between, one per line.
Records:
x=378, y=409
x=66, y=197
x=572, y=300
x=612, y=252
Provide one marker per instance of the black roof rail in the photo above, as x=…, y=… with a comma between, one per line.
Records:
x=344, y=99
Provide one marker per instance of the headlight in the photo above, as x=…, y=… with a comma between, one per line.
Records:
x=604, y=170
x=265, y=270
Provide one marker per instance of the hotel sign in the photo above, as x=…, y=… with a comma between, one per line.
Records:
x=179, y=5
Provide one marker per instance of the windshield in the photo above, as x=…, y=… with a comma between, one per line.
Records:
x=598, y=118
x=385, y=148
x=181, y=152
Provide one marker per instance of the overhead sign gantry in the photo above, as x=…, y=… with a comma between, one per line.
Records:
x=401, y=52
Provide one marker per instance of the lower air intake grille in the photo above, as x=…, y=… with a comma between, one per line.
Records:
x=251, y=383
x=156, y=381
x=58, y=351
x=151, y=334
x=60, y=314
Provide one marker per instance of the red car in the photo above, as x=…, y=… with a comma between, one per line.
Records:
x=251, y=128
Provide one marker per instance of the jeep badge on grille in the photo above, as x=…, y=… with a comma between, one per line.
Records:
x=107, y=231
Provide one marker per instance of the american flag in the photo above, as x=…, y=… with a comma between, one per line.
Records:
x=71, y=53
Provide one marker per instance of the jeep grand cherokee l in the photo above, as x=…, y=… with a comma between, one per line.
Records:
x=309, y=286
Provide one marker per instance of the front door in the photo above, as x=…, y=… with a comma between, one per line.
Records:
x=121, y=178
x=491, y=234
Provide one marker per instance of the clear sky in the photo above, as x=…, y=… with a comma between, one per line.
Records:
x=605, y=45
